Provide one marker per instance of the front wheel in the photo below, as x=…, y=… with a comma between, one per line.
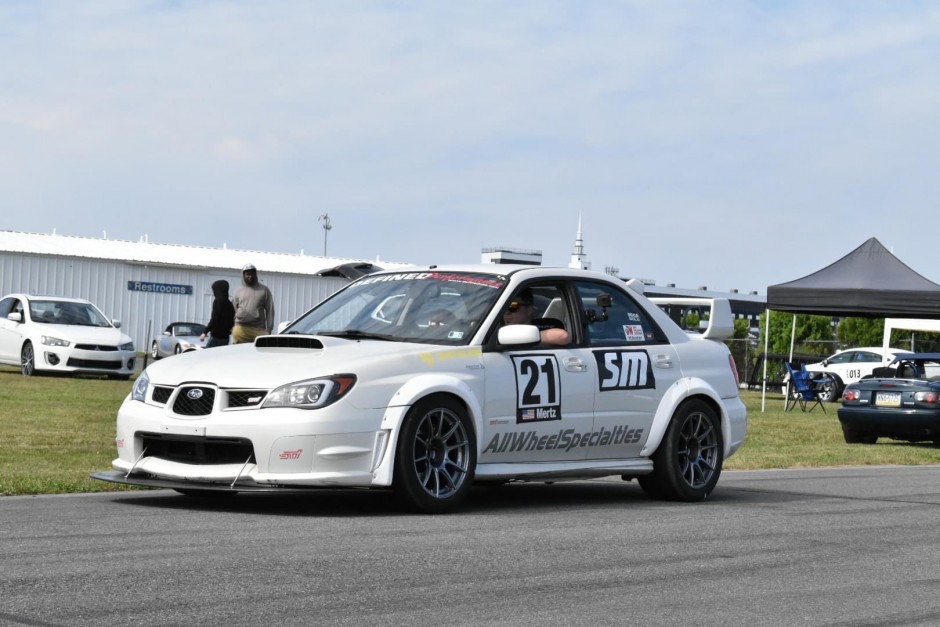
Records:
x=28, y=360
x=436, y=456
x=687, y=464
x=155, y=350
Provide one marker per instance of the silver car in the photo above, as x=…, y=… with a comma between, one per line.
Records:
x=178, y=337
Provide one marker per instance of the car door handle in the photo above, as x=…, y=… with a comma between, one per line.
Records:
x=662, y=361
x=574, y=364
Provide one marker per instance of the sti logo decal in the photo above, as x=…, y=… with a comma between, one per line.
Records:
x=291, y=454
x=624, y=370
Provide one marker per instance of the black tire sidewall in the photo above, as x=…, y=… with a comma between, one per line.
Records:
x=405, y=482
x=666, y=481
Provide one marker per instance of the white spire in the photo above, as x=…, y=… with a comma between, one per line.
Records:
x=577, y=255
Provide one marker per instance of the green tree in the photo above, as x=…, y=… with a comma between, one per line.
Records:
x=813, y=333
x=861, y=331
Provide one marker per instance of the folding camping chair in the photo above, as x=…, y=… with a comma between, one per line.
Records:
x=804, y=390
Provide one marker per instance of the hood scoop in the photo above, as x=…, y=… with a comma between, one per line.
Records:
x=288, y=341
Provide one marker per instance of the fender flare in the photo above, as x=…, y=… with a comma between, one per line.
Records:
x=681, y=391
x=401, y=403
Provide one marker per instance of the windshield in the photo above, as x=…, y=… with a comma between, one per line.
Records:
x=62, y=312
x=429, y=307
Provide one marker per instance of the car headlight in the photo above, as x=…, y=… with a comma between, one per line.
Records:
x=139, y=391
x=312, y=393
x=126, y=347
x=48, y=340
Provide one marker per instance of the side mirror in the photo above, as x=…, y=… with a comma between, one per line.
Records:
x=519, y=335
x=116, y=323
x=15, y=316
x=281, y=326
x=166, y=333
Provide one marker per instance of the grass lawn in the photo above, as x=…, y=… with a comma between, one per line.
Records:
x=54, y=431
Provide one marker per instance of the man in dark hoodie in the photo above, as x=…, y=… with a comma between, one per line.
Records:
x=223, y=316
x=254, y=308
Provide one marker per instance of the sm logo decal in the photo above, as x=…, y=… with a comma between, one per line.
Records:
x=624, y=370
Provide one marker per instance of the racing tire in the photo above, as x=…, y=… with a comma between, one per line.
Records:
x=852, y=436
x=28, y=360
x=154, y=351
x=687, y=464
x=831, y=391
x=436, y=456
x=206, y=494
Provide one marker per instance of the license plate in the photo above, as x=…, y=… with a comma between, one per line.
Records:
x=888, y=399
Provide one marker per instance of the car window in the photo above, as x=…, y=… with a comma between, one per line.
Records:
x=62, y=312
x=612, y=318
x=428, y=307
x=867, y=356
x=841, y=358
x=6, y=306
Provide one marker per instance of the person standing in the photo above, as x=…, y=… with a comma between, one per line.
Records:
x=254, y=308
x=222, y=319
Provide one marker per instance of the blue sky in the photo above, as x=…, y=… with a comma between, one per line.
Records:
x=726, y=144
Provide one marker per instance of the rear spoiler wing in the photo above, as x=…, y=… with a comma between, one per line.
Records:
x=718, y=324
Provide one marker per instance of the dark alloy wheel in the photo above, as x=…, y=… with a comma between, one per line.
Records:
x=28, y=360
x=436, y=456
x=687, y=464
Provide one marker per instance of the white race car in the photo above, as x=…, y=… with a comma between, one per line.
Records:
x=426, y=381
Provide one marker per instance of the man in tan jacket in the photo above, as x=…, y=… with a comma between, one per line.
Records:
x=254, y=308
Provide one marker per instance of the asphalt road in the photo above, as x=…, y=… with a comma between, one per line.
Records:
x=848, y=546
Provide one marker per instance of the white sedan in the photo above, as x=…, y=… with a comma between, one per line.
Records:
x=426, y=381
x=64, y=335
x=848, y=366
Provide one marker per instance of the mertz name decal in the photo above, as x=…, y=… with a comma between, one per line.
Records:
x=566, y=439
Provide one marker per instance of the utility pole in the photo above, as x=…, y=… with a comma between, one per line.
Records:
x=327, y=225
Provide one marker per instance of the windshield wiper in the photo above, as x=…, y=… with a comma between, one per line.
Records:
x=355, y=334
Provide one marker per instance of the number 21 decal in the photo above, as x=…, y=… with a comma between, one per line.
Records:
x=538, y=388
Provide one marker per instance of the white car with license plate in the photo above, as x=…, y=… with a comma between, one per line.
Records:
x=59, y=335
x=416, y=382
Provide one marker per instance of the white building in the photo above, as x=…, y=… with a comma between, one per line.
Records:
x=148, y=285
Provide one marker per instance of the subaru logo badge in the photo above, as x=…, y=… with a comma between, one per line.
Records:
x=194, y=394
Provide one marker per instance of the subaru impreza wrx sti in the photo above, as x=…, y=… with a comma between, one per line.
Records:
x=415, y=381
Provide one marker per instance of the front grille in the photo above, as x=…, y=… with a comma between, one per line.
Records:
x=194, y=401
x=95, y=347
x=197, y=450
x=245, y=398
x=94, y=363
x=161, y=394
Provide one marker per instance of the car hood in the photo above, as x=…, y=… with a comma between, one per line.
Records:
x=83, y=334
x=253, y=366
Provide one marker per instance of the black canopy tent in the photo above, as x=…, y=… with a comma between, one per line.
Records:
x=869, y=282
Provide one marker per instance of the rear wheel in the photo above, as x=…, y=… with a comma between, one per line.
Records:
x=830, y=391
x=857, y=437
x=687, y=464
x=27, y=360
x=436, y=456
